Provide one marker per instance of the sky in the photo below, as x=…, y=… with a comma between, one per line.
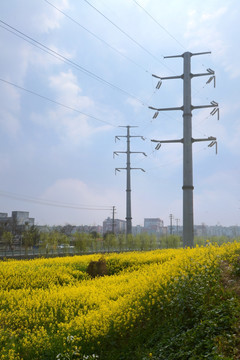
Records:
x=74, y=74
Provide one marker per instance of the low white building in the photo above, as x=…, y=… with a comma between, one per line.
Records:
x=117, y=226
x=154, y=226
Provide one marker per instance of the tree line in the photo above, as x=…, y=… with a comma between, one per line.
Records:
x=33, y=241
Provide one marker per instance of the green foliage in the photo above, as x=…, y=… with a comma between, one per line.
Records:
x=73, y=352
x=110, y=242
x=7, y=238
x=152, y=242
x=50, y=241
x=30, y=237
x=198, y=323
x=121, y=242
x=170, y=242
x=95, y=235
x=80, y=241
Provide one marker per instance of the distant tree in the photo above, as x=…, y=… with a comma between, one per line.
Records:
x=144, y=241
x=131, y=241
x=67, y=229
x=3, y=228
x=171, y=242
x=36, y=234
x=163, y=242
x=110, y=241
x=44, y=241
x=30, y=237
x=176, y=240
x=121, y=240
x=80, y=240
x=152, y=242
x=27, y=239
x=62, y=240
x=7, y=238
x=95, y=235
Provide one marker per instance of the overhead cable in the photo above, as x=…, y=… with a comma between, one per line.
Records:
x=53, y=101
x=66, y=60
x=127, y=35
x=53, y=203
x=161, y=26
x=97, y=37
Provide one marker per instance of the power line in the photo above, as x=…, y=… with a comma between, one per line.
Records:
x=66, y=60
x=97, y=37
x=127, y=35
x=173, y=37
x=53, y=203
x=53, y=101
x=161, y=26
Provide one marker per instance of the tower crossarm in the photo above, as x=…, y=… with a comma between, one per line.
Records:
x=130, y=152
x=168, y=77
x=210, y=138
x=138, y=152
x=160, y=142
x=119, y=169
x=168, y=141
x=203, y=74
x=166, y=109
x=137, y=169
x=212, y=105
x=118, y=152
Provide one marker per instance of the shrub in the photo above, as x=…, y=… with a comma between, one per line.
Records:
x=97, y=268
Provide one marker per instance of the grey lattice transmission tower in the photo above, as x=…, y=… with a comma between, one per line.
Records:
x=187, y=140
x=128, y=168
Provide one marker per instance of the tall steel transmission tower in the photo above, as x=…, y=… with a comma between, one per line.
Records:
x=128, y=168
x=187, y=140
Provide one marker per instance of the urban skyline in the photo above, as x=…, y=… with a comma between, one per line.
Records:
x=173, y=222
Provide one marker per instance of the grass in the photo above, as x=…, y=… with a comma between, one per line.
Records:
x=200, y=324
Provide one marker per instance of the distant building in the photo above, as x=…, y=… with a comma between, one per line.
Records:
x=3, y=218
x=18, y=222
x=119, y=226
x=154, y=226
x=138, y=229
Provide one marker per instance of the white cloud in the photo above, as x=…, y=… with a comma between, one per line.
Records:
x=45, y=60
x=136, y=105
x=67, y=89
x=209, y=208
x=70, y=126
x=44, y=17
x=214, y=30
x=5, y=163
x=214, y=14
x=9, y=110
x=76, y=192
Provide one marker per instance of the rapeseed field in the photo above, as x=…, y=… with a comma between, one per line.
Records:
x=52, y=309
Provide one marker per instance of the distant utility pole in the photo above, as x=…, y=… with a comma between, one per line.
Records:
x=113, y=219
x=177, y=221
x=128, y=168
x=171, y=219
x=187, y=140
